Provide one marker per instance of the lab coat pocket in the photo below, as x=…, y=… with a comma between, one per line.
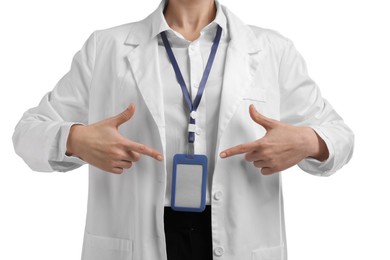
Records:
x=270, y=253
x=107, y=248
x=255, y=94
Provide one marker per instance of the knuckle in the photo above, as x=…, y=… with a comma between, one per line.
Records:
x=261, y=140
x=128, y=165
x=259, y=118
x=272, y=162
x=142, y=148
x=237, y=150
x=121, y=144
x=121, y=115
x=263, y=143
x=267, y=155
x=242, y=148
x=115, y=154
x=111, y=163
x=112, y=150
x=125, y=114
x=135, y=157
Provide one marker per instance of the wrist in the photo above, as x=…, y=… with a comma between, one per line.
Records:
x=317, y=148
x=72, y=139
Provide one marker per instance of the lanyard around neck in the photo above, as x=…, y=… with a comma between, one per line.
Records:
x=192, y=106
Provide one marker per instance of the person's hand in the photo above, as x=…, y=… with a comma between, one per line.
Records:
x=101, y=145
x=282, y=146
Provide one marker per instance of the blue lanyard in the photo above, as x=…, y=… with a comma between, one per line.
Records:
x=192, y=106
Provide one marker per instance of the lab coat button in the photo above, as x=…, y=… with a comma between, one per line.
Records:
x=219, y=251
x=198, y=131
x=218, y=195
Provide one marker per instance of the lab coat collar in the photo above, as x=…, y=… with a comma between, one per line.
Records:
x=241, y=34
x=159, y=23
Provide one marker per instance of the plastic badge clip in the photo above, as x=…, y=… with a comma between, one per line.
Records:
x=193, y=114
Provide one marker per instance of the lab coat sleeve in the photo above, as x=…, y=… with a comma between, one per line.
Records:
x=302, y=105
x=40, y=136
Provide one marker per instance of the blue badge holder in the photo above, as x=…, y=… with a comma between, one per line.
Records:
x=189, y=182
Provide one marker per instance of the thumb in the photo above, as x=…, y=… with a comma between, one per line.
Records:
x=265, y=122
x=124, y=116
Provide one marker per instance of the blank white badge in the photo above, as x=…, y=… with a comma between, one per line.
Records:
x=189, y=181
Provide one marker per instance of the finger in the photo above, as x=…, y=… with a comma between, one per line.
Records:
x=124, y=116
x=239, y=149
x=133, y=156
x=126, y=155
x=116, y=170
x=123, y=164
x=253, y=156
x=261, y=164
x=265, y=122
x=267, y=171
x=143, y=149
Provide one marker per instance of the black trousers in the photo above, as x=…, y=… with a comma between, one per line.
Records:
x=188, y=234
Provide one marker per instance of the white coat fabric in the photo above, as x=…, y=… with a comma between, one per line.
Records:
x=119, y=65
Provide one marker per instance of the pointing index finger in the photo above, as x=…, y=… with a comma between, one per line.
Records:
x=238, y=149
x=144, y=149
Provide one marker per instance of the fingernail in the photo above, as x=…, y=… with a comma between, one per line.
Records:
x=223, y=155
x=159, y=157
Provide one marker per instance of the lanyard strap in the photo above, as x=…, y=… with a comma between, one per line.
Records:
x=192, y=106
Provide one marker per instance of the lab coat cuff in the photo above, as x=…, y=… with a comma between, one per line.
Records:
x=65, y=129
x=316, y=167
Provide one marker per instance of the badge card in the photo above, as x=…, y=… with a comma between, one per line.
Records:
x=189, y=180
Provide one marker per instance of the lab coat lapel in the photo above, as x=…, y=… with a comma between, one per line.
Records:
x=240, y=66
x=143, y=60
x=144, y=64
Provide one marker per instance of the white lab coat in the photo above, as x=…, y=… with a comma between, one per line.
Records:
x=120, y=65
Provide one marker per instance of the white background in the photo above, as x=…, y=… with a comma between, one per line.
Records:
x=346, y=44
